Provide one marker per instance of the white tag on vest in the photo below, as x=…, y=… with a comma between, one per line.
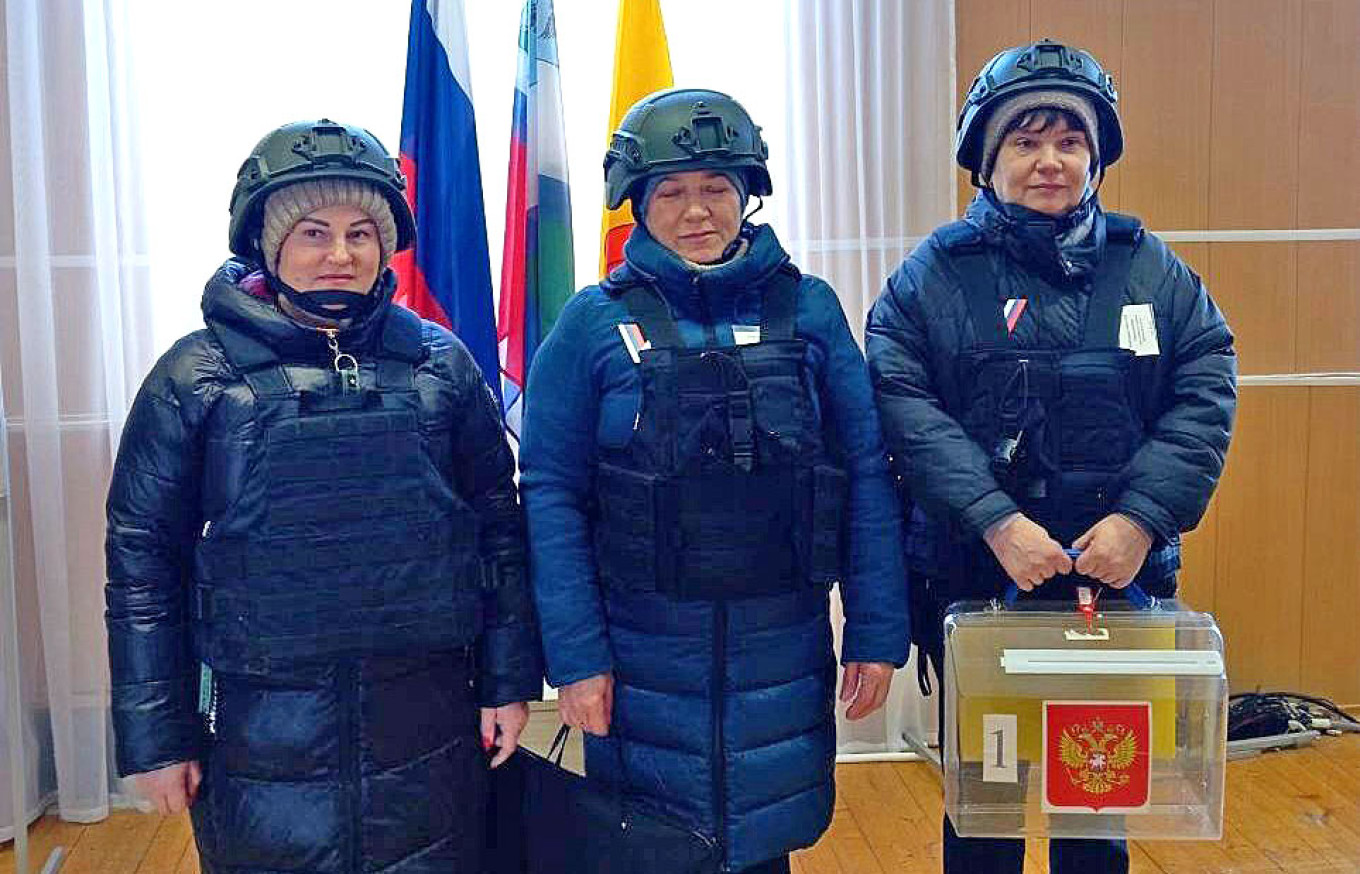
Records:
x=745, y=335
x=1138, y=329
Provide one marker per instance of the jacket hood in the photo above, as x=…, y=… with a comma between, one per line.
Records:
x=226, y=303
x=1061, y=249
x=683, y=284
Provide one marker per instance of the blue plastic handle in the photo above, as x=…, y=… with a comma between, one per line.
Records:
x=1133, y=593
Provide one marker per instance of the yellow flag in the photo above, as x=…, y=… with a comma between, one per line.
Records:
x=642, y=64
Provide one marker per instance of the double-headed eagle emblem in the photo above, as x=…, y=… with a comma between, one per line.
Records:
x=1097, y=756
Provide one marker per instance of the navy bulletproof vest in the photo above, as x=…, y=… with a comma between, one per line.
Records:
x=1058, y=424
x=726, y=489
x=354, y=542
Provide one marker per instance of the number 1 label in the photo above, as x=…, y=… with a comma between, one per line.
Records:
x=999, y=746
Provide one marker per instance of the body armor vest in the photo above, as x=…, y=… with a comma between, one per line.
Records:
x=1059, y=424
x=726, y=489
x=355, y=542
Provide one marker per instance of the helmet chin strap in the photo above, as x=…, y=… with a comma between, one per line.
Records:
x=335, y=304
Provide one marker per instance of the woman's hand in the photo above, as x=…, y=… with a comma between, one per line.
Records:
x=864, y=686
x=587, y=704
x=171, y=789
x=1113, y=550
x=501, y=727
x=1026, y=551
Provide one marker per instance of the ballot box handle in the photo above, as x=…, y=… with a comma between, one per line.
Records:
x=1133, y=592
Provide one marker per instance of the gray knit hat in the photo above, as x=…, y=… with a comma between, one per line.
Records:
x=1016, y=107
x=287, y=206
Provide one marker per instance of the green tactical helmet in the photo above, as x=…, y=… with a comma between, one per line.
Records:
x=1043, y=65
x=683, y=129
x=305, y=150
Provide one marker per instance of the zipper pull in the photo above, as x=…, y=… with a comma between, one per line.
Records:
x=345, y=364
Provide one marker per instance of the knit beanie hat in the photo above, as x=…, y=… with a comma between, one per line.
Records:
x=649, y=187
x=287, y=206
x=1015, y=107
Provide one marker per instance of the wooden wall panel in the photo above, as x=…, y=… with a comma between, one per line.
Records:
x=983, y=28
x=1259, y=549
x=1253, y=166
x=1199, y=562
x=1164, y=90
x=1331, y=574
x=1329, y=306
x=1254, y=285
x=1098, y=27
x=1329, y=147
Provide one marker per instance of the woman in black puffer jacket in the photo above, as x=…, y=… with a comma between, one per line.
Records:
x=1050, y=377
x=318, y=620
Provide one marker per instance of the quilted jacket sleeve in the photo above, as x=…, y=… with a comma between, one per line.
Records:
x=874, y=590
x=942, y=467
x=557, y=459
x=153, y=512
x=510, y=657
x=1174, y=473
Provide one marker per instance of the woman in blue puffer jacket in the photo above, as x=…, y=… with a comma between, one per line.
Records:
x=701, y=461
x=318, y=617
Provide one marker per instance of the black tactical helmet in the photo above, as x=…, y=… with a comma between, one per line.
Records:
x=683, y=129
x=307, y=150
x=1043, y=65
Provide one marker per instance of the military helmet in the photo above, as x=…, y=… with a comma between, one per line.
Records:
x=684, y=129
x=307, y=150
x=1043, y=65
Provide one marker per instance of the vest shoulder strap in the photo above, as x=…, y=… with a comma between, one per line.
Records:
x=402, y=335
x=779, y=304
x=1120, y=228
x=1111, y=281
x=255, y=361
x=963, y=245
x=958, y=237
x=649, y=309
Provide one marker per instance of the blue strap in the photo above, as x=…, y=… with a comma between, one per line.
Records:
x=1133, y=593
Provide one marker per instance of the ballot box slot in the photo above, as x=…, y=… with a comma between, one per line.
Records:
x=1116, y=662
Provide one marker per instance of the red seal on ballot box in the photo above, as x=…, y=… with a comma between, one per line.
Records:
x=1097, y=756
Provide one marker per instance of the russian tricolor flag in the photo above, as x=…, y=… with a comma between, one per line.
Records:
x=447, y=276
x=537, y=272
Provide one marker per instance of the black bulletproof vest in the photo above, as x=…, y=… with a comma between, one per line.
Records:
x=1059, y=424
x=726, y=489
x=347, y=539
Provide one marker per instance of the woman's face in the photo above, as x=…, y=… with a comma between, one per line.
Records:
x=696, y=214
x=1044, y=170
x=332, y=248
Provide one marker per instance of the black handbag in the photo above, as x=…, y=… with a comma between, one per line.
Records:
x=544, y=819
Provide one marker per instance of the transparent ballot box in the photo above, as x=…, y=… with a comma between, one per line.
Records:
x=1112, y=724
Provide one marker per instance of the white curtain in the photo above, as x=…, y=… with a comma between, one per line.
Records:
x=75, y=339
x=870, y=127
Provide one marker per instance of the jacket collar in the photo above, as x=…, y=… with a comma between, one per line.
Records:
x=260, y=333
x=683, y=283
x=1060, y=249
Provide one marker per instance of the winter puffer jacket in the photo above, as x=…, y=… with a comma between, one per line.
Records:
x=723, y=712
x=921, y=325
x=359, y=762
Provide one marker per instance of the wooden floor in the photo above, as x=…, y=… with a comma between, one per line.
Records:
x=1296, y=811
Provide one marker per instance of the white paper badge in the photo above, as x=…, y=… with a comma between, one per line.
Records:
x=746, y=335
x=1138, y=329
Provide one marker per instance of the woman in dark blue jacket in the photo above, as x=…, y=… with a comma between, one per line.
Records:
x=1050, y=377
x=316, y=597
x=701, y=461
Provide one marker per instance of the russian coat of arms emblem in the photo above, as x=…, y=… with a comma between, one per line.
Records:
x=1097, y=756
